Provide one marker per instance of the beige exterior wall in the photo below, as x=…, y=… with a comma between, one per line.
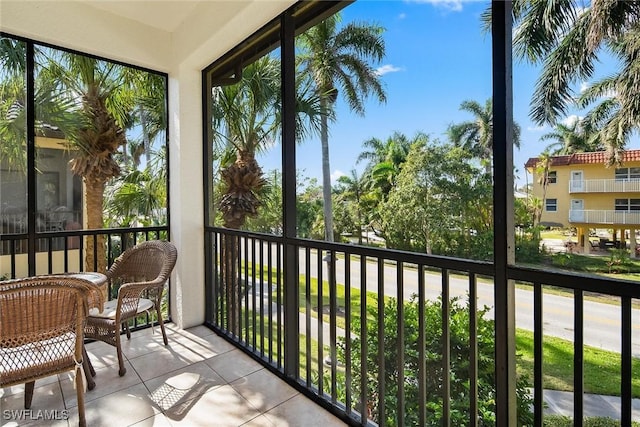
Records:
x=42, y=263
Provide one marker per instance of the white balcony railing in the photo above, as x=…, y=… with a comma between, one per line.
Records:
x=605, y=217
x=604, y=186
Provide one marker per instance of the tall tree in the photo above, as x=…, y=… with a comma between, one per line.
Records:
x=386, y=159
x=568, y=39
x=571, y=138
x=106, y=102
x=542, y=168
x=476, y=136
x=352, y=189
x=341, y=58
x=247, y=116
x=245, y=123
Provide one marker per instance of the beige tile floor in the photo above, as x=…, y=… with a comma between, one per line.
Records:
x=199, y=379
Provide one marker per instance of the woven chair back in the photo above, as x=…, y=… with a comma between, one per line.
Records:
x=152, y=260
x=41, y=326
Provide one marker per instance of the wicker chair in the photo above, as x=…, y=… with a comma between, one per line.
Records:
x=143, y=269
x=41, y=331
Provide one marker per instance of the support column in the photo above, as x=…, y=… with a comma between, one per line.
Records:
x=504, y=253
x=586, y=242
x=632, y=242
x=186, y=190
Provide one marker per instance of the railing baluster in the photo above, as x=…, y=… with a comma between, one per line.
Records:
x=347, y=331
x=247, y=284
x=400, y=340
x=364, y=348
x=626, y=372
x=333, y=305
x=261, y=280
x=254, y=285
x=308, y=308
x=269, y=302
x=320, y=322
x=217, y=303
x=538, y=390
x=279, y=304
x=473, y=349
x=49, y=255
x=381, y=355
x=422, y=370
x=578, y=359
x=446, y=351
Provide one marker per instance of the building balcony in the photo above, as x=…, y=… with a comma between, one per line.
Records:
x=604, y=186
x=604, y=217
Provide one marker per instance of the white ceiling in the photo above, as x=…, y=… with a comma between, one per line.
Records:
x=165, y=15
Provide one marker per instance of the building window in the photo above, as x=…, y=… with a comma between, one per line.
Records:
x=551, y=205
x=552, y=177
x=627, y=204
x=626, y=174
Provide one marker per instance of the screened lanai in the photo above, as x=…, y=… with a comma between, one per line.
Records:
x=251, y=295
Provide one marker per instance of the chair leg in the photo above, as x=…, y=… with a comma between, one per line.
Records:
x=28, y=394
x=126, y=328
x=89, y=371
x=164, y=333
x=80, y=396
x=122, y=370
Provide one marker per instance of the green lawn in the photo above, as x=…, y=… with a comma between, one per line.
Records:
x=601, y=368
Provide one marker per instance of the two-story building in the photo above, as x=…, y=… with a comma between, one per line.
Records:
x=581, y=191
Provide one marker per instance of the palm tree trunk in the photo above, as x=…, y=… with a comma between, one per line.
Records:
x=326, y=175
x=96, y=255
x=145, y=135
x=242, y=180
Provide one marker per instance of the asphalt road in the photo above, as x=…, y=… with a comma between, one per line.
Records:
x=601, y=320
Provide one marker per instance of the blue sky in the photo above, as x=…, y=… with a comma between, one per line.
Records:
x=436, y=57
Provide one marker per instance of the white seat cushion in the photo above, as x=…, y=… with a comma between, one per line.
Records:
x=108, y=310
x=144, y=305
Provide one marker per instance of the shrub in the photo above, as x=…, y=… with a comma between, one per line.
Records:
x=459, y=365
x=562, y=421
x=528, y=249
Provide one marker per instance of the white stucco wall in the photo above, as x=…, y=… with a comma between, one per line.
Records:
x=209, y=30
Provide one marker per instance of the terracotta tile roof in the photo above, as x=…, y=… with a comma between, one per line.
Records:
x=585, y=158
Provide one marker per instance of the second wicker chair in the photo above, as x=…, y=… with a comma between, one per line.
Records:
x=140, y=270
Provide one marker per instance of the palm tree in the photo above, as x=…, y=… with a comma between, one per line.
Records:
x=567, y=39
x=245, y=123
x=246, y=119
x=51, y=108
x=571, y=138
x=542, y=171
x=106, y=103
x=353, y=188
x=386, y=159
x=476, y=136
x=340, y=58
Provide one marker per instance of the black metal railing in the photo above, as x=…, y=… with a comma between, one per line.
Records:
x=65, y=251
x=395, y=338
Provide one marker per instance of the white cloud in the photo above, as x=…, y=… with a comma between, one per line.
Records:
x=337, y=174
x=450, y=5
x=571, y=120
x=584, y=86
x=402, y=16
x=387, y=68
